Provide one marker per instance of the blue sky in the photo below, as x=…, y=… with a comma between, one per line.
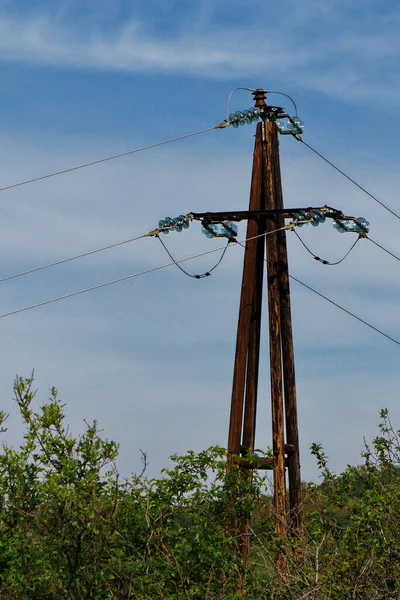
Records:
x=152, y=358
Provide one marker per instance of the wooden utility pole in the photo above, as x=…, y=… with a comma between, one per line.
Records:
x=266, y=194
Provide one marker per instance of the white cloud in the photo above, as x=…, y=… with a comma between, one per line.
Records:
x=311, y=48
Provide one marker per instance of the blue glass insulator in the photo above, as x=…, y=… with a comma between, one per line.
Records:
x=255, y=114
x=301, y=215
x=341, y=226
x=246, y=117
x=297, y=126
x=361, y=227
x=251, y=113
x=321, y=215
x=350, y=226
x=234, y=119
x=317, y=217
x=167, y=225
x=229, y=229
x=280, y=127
x=237, y=119
x=185, y=223
x=210, y=231
x=178, y=227
x=163, y=225
x=248, y=114
x=232, y=226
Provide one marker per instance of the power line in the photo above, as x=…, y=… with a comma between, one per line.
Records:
x=177, y=262
x=108, y=158
x=253, y=90
x=132, y=276
x=203, y=275
x=97, y=250
x=70, y=258
x=348, y=177
x=286, y=95
x=323, y=261
x=382, y=248
x=339, y=306
x=345, y=310
x=102, y=285
x=230, y=98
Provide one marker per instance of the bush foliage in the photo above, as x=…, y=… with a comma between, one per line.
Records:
x=72, y=528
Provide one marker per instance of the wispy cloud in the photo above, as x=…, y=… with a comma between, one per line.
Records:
x=336, y=59
x=41, y=41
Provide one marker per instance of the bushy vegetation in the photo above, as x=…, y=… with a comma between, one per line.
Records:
x=72, y=528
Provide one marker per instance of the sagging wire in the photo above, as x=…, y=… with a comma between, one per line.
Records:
x=247, y=89
x=177, y=224
x=322, y=260
x=227, y=229
x=199, y=276
x=286, y=95
x=127, y=277
x=294, y=125
x=230, y=97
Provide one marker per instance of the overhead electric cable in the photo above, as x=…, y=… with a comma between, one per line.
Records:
x=176, y=262
x=348, y=177
x=323, y=261
x=132, y=276
x=286, y=95
x=345, y=310
x=247, y=89
x=65, y=260
x=339, y=306
x=89, y=253
x=108, y=158
x=230, y=97
x=202, y=275
x=382, y=248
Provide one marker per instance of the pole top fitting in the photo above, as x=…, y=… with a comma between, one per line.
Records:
x=259, y=98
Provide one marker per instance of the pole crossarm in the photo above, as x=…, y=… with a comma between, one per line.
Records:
x=286, y=213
